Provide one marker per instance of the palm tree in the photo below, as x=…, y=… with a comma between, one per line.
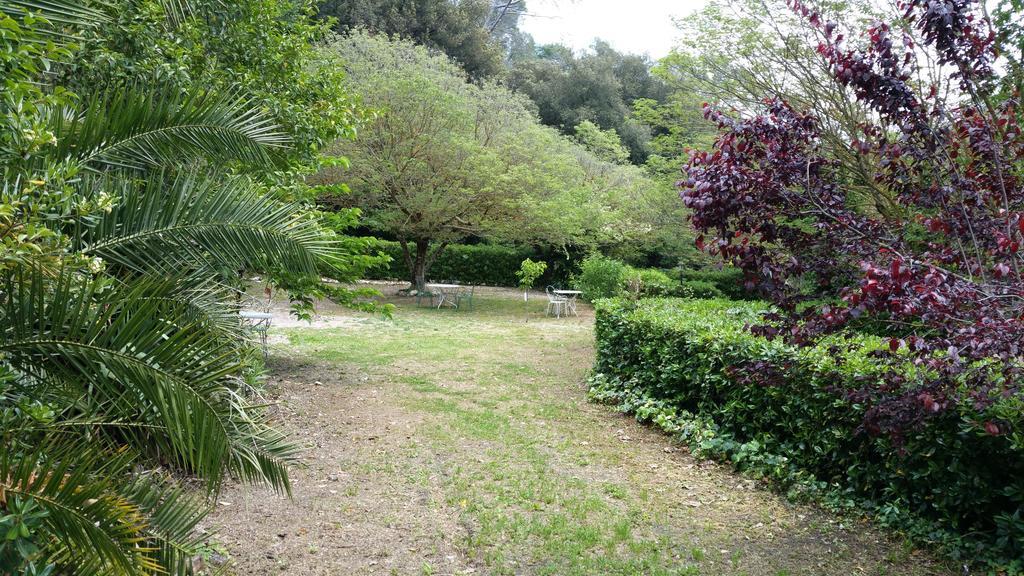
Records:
x=122, y=361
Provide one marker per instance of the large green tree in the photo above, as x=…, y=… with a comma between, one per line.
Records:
x=444, y=159
x=598, y=86
x=462, y=29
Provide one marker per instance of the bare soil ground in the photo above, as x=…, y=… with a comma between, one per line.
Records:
x=461, y=442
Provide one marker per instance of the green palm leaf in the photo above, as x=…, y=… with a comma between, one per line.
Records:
x=73, y=14
x=94, y=528
x=63, y=12
x=101, y=517
x=137, y=127
x=191, y=220
x=134, y=353
x=172, y=514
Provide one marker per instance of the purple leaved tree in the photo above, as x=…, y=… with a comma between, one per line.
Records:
x=938, y=274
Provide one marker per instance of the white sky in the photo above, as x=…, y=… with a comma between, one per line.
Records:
x=635, y=26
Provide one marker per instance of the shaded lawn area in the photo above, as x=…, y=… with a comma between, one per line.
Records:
x=461, y=442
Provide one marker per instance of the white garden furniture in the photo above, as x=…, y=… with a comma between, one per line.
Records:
x=557, y=304
x=448, y=294
x=256, y=313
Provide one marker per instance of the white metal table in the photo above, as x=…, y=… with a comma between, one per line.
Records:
x=570, y=299
x=448, y=293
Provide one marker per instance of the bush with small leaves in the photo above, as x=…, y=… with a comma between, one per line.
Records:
x=939, y=269
x=790, y=414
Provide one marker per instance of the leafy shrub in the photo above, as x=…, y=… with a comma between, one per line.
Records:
x=529, y=271
x=688, y=365
x=728, y=281
x=698, y=289
x=649, y=282
x=603, y=277
x=600, y=277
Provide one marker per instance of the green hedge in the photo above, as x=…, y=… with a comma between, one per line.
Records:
x=480, y=264
x=727, y=282
x=949, y=483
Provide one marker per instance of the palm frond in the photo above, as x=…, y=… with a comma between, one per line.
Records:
x=136, y=128
x=172, y=514
x=61, y=12
x=134, y=353
x=94, y=528
x=262, y=453
x=177, y=10
x=192, y=220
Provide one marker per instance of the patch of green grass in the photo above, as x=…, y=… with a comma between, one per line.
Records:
x=614, y=490
x=498, y=390
x=485, y=378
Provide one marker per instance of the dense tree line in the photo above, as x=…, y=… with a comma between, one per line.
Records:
x=594, y=97
x=597, y=86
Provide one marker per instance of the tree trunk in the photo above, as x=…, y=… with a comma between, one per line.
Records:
x=418, y=268
x=418, y=258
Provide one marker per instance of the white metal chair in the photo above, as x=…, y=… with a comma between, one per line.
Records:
x=556, y=303
x=465, y=296
x=256, y=313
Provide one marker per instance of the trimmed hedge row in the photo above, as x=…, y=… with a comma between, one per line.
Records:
x=950, y=483
x=716, y=283
x=604, y=277
x=480, y=264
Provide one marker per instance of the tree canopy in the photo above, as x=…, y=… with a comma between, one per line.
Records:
x=598, y=86
x=443, y=159
x=462, y=29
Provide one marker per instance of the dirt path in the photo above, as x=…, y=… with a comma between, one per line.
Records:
x=448, y=442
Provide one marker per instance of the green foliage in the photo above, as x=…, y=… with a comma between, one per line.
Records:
x=1009, y=27
x=457, y=28
x=648, y=282
x=600, y=277
x=127, y=213
x=480, y=264
x=699, y=289
x=259, y=50
x=688, y=367
x=598, y=86
x=727, y=282
x=605, y=144
x=18, y=527
x=444, y=159
x=529, y=271
x=604, y=277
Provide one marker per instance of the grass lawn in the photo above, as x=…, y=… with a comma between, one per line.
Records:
x=461, y=442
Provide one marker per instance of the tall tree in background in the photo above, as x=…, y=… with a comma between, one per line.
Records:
x=605, y=144
x=462, y=29
x=599, y=86
x=503, y=24
x=1008, y=18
